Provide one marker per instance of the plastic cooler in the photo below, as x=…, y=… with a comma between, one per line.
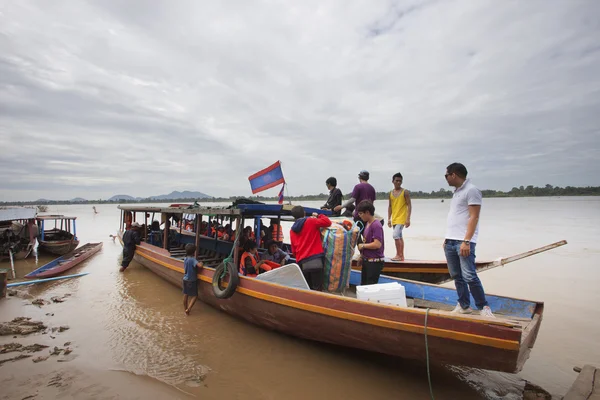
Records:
x=385, y=293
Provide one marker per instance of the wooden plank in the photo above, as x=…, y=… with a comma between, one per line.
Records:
x=586, y=386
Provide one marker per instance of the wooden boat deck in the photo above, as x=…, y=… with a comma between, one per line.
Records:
x=436, y=308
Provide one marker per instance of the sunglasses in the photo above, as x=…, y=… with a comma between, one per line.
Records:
x=447, y=175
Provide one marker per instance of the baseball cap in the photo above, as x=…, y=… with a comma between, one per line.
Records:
x=364, y=174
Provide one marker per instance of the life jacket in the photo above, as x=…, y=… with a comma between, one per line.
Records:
x=277, y=233
x=188, y=227
x=243, y=264
x=219, y=234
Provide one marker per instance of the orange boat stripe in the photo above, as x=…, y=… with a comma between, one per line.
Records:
x=443, y=333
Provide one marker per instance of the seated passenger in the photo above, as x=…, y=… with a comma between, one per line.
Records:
x=248, y=233
x=155, y=226
x=275, y=254
x=249, y=264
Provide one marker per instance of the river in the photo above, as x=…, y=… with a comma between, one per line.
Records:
x=134, y=321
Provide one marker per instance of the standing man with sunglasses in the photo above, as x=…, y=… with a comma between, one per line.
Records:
x=461, y=237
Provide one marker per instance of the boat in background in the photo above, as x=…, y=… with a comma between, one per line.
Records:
x=437, y=271
x=425, y=329
x=18, y=232
x=66, y=262
x=59, y=240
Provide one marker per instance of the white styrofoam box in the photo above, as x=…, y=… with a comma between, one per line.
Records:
x=386, y=293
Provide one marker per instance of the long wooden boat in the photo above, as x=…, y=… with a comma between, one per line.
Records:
x=437, y=271
x=503, y=343
x=61, y=239
x=66, y=262
x=17, y=232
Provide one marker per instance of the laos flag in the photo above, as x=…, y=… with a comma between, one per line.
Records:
x=266, y=178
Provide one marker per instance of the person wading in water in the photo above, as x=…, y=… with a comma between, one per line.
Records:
x=131, y=238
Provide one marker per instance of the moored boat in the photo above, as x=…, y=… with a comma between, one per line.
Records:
x=65, y=262
x=18, y=232
x=501, y=344
x=62, y=238
x=437, y=271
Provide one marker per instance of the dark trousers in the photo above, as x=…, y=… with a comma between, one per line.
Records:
x=370, y=272
x=313, y=273
x=127, y=257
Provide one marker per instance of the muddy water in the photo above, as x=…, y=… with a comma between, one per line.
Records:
x=135, y=321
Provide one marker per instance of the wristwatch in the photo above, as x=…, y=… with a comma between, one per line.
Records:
x=466, y=241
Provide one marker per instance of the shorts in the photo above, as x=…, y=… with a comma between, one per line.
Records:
x=190, y=288
x=397, y=231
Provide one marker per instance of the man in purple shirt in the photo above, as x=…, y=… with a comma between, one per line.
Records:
x=362, y=191
x=372, y=250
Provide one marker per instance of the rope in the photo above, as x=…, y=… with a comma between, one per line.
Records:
x=427, y=354
x=229, y=258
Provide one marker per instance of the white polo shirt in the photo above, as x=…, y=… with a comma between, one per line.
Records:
x=458, y=217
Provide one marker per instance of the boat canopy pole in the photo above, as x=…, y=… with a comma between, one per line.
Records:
x=75, y=229
x=197, y=241
x=236, y=246
x=42, y=230
x=166, y=233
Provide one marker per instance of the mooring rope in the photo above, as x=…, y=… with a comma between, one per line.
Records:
x=427, y=354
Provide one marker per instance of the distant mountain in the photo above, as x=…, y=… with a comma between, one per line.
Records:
x=77, y=199
x=118, y=197
x=186, y=194
x=42, y=200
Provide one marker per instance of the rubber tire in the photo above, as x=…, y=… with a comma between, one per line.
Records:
x=234, y=280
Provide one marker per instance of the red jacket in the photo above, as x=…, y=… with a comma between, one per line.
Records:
x=305, y=237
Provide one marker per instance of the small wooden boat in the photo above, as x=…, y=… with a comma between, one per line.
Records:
x=503, y=343
x=58, y=240
x=437, y=271
x=18, y=232
x=66, y=262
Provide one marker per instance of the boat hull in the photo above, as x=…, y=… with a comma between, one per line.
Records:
x=59, y=247
x=76, y=257
x=420, y=270
x=356, y=324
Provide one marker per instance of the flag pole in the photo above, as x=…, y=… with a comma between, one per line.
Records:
x=285, y=185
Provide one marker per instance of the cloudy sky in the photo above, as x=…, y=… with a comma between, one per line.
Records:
x=144, y=97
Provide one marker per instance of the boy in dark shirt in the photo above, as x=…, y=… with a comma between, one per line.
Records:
x=190, y=278
x=335, y=196
x=372, y=250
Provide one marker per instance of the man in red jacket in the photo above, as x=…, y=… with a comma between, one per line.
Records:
x=307, y=246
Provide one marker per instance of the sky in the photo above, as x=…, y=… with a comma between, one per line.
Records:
x=109, y=97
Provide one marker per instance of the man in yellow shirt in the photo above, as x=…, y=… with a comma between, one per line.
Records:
x=399, y=211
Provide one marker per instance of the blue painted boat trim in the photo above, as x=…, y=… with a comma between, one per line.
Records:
x=275, y=209
x=45, y=267
x=503, y=305
x=46, y=280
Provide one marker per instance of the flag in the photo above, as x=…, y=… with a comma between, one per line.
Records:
x=281, y=194
x=266, y=178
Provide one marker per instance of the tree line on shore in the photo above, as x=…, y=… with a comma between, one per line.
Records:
x=522, y=191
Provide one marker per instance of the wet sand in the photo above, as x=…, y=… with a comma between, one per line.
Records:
x=131, y=339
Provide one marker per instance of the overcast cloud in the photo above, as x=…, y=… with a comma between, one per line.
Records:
x=144, y=97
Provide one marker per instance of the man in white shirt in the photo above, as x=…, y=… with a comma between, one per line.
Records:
x=461, y=236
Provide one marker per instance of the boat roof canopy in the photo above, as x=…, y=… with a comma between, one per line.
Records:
x=53, y=217
x=245, y=210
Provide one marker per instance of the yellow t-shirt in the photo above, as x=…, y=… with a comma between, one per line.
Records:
x=399, y=208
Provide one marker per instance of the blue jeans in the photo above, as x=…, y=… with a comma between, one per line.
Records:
x=462, y=270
